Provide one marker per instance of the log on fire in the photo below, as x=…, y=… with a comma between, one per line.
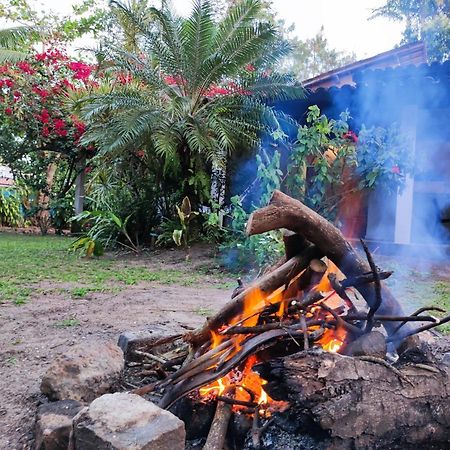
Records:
x=364, y=402
x=286, y=212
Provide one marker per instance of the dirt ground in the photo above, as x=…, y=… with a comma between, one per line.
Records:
x=34, y=333
x=29, y=338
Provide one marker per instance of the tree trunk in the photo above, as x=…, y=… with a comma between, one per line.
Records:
x=218, y=181
x=43, y=215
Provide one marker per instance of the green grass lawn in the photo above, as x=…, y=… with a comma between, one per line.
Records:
x=27, y=260
x=29, y=263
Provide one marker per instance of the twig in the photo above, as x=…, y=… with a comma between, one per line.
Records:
x=364, y=279
x=384, y=363
x=257, y=328
x=420, y=329
x=340, y=321
x=337, y=286
x=380, y=318
x=376, y=278
x=428, y=368
x=305, y=332
x=416, y=313
x=235, y=401
x=174, y=361
x=150, y=356
x=256, y=435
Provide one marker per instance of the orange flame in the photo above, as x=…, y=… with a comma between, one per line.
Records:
x=246, y=380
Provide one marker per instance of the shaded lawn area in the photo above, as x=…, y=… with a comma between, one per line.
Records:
x=42, y=264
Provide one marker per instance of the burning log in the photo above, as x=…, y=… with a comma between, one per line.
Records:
x=219, y=427
x=363, y=404
x=286, y=212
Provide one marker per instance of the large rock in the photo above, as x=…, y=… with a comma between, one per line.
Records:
x=84, y=372
x=143, y=340
x=54, y=424
x=126, y=421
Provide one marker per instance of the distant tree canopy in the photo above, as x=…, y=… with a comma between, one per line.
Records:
x=308, y=57
x=314, y=56
x=425, y=20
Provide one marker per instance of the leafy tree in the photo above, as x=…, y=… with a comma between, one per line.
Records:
x=425, y=20
x=198, y=93
x=314, y=56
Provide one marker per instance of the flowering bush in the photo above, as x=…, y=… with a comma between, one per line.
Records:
x=32, y=94
x=40, y=138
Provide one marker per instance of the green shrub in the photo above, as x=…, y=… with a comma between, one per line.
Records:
x=10, y=205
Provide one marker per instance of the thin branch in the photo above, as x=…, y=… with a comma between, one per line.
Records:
x=378, y=300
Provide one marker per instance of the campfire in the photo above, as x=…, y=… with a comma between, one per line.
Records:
x=323, y=296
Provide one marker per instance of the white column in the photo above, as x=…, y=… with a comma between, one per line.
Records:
x=404, y=209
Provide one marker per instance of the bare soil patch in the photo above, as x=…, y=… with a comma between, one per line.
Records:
x=53, y=320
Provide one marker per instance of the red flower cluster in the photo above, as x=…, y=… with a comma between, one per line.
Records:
x=25, y=67
x=52, y=55
x=6, y=82
x=82, y=70
x=351, y=136
x=41, y=92
x=44, y=117
x=60, y=127
x=8, y=111
x=125, y=78
x=213, y=91
x=139, y=153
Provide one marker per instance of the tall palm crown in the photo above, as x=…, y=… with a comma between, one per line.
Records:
x=199, y=89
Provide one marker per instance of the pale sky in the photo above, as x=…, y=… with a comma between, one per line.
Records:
x=345, y=22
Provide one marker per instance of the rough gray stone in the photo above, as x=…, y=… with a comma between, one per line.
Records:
x=126, y=422
x=139, y=340
x=54, y=424
x=84, y=372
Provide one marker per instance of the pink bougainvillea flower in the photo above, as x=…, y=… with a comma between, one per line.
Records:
x=82, y=70
x=395, y=169
x=250, y=68
x=88, y=169
x=8, y=82
x=139, y=153
x=59, y=123
x=351, y=136
x=25, y=67
x=40, y=56
x=45, y=131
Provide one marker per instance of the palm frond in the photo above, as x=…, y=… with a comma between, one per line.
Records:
x=197, y=36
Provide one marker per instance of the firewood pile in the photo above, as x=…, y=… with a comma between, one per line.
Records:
x=318, y=338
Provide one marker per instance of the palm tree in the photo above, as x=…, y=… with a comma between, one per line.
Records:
x=12, y=41
x=200, y=92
